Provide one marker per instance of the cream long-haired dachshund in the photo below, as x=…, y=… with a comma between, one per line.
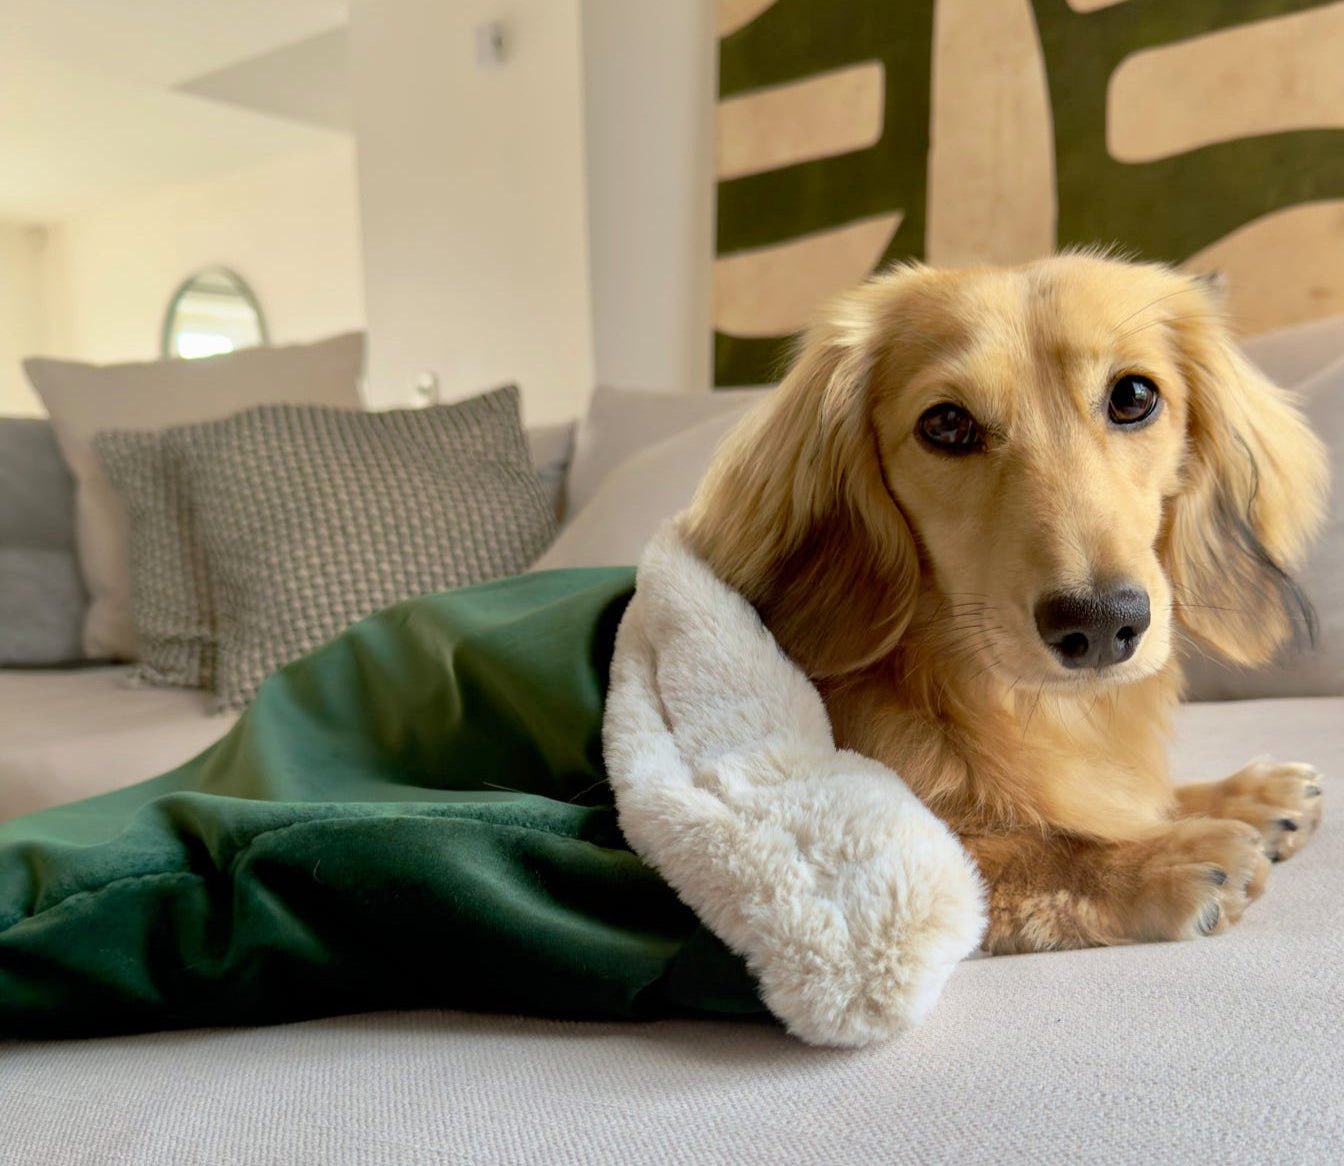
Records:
x=985, y=512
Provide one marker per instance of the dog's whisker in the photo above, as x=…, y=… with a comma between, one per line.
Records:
x=1158, y=322
x=1182, y=606
x=1180, y=291
x=1026, y=724
x=993, y=664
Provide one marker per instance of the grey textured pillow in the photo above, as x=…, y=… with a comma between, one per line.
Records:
x=42, y=599
x=171, y=608
x=37, y=494
x=313, y=517
x=41, y=607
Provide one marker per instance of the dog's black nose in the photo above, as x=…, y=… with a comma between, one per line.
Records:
x=1094, y=629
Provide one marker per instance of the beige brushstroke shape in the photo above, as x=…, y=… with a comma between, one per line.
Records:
x=773, y=291
x=1283, y=268
x=1260, y=78
x=992, y=162
x=1093, y=5
x=831, y=113
x=735, y=14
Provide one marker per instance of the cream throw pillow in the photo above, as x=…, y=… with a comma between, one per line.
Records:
x=639, y=495
x=1318, y=671
x=84, y=399
x=621, y=422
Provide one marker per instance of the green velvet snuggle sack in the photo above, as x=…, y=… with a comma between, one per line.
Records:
x=416, y=814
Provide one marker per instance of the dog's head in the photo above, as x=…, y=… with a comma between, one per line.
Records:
x=1060, y=463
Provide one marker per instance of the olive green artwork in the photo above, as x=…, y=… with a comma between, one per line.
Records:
x=855, y=133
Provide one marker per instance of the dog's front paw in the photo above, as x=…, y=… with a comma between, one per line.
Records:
x=1282, y=800
x=1198, y=878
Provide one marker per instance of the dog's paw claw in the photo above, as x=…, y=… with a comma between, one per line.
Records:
x=1209, y=918
x=1199, y=878
x=1280, y=799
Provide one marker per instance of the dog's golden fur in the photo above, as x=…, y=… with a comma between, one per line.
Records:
x=903, y=578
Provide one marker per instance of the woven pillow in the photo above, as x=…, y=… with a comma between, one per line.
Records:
x=312, y=518
x=171, y=607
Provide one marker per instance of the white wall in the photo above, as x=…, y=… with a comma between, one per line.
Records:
x=474, y=201
x=548, y=220
x=289, y=227
x=22, y=314
x=649, y=88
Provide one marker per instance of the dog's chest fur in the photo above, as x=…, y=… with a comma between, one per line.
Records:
x=988, y=760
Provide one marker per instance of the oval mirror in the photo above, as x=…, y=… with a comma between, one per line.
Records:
x=214, y=311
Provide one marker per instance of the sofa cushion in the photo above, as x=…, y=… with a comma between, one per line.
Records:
x=83, y=399
x=312, y=518
x=631, y=503
x=1319, y=670
x=37, y=494
x=551, y=447
x=1292, y=354
x=41, y=607
x=67, y=734
x=621, y=422
x=41, y=595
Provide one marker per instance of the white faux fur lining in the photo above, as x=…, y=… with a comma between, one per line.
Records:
x=849, y=900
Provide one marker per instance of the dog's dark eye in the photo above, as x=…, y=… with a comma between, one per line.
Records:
x=950, y=429
x=1133, y=399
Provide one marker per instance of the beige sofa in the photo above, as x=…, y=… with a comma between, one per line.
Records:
x=1225, y=1050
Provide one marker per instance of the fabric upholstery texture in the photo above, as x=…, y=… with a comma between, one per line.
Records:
x=84, y=399
x=69, y=733
x=632, y=502
x=619, y=422
x=1317, y=670
x=551, y=447
x=1227, y=1050
x=41, y=596
x=312, y=518
x=36, y=491
x=416, y=813
x=41, y=608
x=172, y=610
x=1292, y=354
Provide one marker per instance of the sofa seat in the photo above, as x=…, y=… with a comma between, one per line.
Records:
x=1228, y=1049
x=69, y=734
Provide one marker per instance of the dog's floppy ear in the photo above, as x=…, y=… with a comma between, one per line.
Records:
x=1253, y=496
x=796, y=515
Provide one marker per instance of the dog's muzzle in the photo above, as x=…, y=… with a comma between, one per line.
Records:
x=1094, y=629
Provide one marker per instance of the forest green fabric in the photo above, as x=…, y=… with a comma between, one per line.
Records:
x=413, y=815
